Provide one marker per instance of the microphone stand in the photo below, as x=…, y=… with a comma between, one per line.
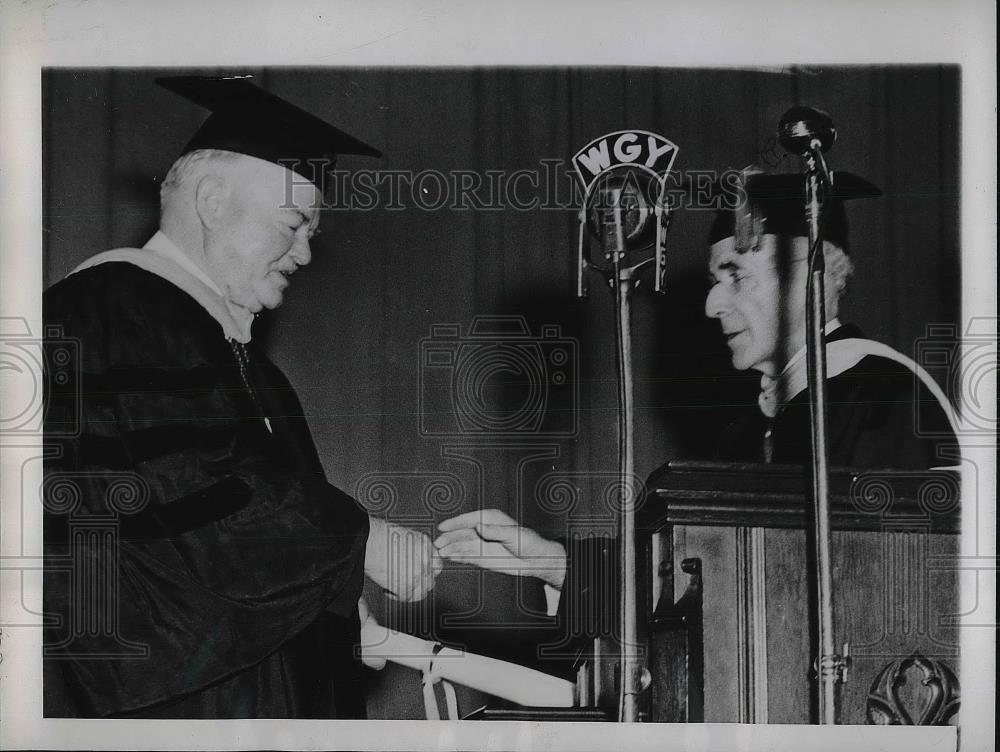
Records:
x=831, y=667
x=809, y=132
x=633, y=676
x=623, y=283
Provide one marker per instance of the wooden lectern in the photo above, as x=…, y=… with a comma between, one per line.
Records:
x=728, y=583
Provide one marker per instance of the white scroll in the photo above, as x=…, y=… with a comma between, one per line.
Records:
x=509, y=681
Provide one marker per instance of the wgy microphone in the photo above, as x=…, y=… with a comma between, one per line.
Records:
x=623, y=175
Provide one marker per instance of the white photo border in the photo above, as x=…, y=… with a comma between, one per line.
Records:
x=764, y=34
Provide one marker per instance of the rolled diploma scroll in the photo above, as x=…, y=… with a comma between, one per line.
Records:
x=510, y=681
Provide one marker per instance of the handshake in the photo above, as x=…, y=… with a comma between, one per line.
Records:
x=406, y=563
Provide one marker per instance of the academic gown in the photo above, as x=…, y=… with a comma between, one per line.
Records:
x=874, y=411
x=879, y=415
x=231, y=583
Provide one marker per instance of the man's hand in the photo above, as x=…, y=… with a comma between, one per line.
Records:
x=492, y=540
x=401, y=560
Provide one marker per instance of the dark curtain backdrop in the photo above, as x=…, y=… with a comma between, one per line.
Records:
x=349, y=335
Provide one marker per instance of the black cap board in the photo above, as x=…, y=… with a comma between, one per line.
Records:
x=775, y=204
x=249, y=120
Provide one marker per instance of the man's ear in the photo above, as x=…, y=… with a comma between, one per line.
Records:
x=211, y=198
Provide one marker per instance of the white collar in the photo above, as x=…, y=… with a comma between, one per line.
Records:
x=165, y=247
x=776, y=391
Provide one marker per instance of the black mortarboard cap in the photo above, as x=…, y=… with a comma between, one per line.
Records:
x=775, y=204
x=249, y=120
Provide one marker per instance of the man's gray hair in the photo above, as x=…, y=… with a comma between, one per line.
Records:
x=189, y=168
x=839, y=268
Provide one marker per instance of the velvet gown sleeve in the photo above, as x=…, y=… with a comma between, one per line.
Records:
x=229, y=543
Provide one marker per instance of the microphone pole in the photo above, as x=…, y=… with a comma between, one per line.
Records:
x=623, y=282
x=623, y=175
x=622, y=279
x=809, y=133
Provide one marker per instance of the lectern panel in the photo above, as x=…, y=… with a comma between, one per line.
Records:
x=896, y=595
x=895, y=590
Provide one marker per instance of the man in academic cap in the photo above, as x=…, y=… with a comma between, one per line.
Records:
x=230, y=584
x=758, y=273
x=758, y=278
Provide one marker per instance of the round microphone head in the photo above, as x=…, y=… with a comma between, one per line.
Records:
x=635, y=193
x=801, y=126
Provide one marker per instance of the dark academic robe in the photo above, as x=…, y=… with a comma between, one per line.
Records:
x=874, y=411
x=198, y=563
x=879, y=415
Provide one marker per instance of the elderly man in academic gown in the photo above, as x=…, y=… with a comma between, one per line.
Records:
x=199, y=564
